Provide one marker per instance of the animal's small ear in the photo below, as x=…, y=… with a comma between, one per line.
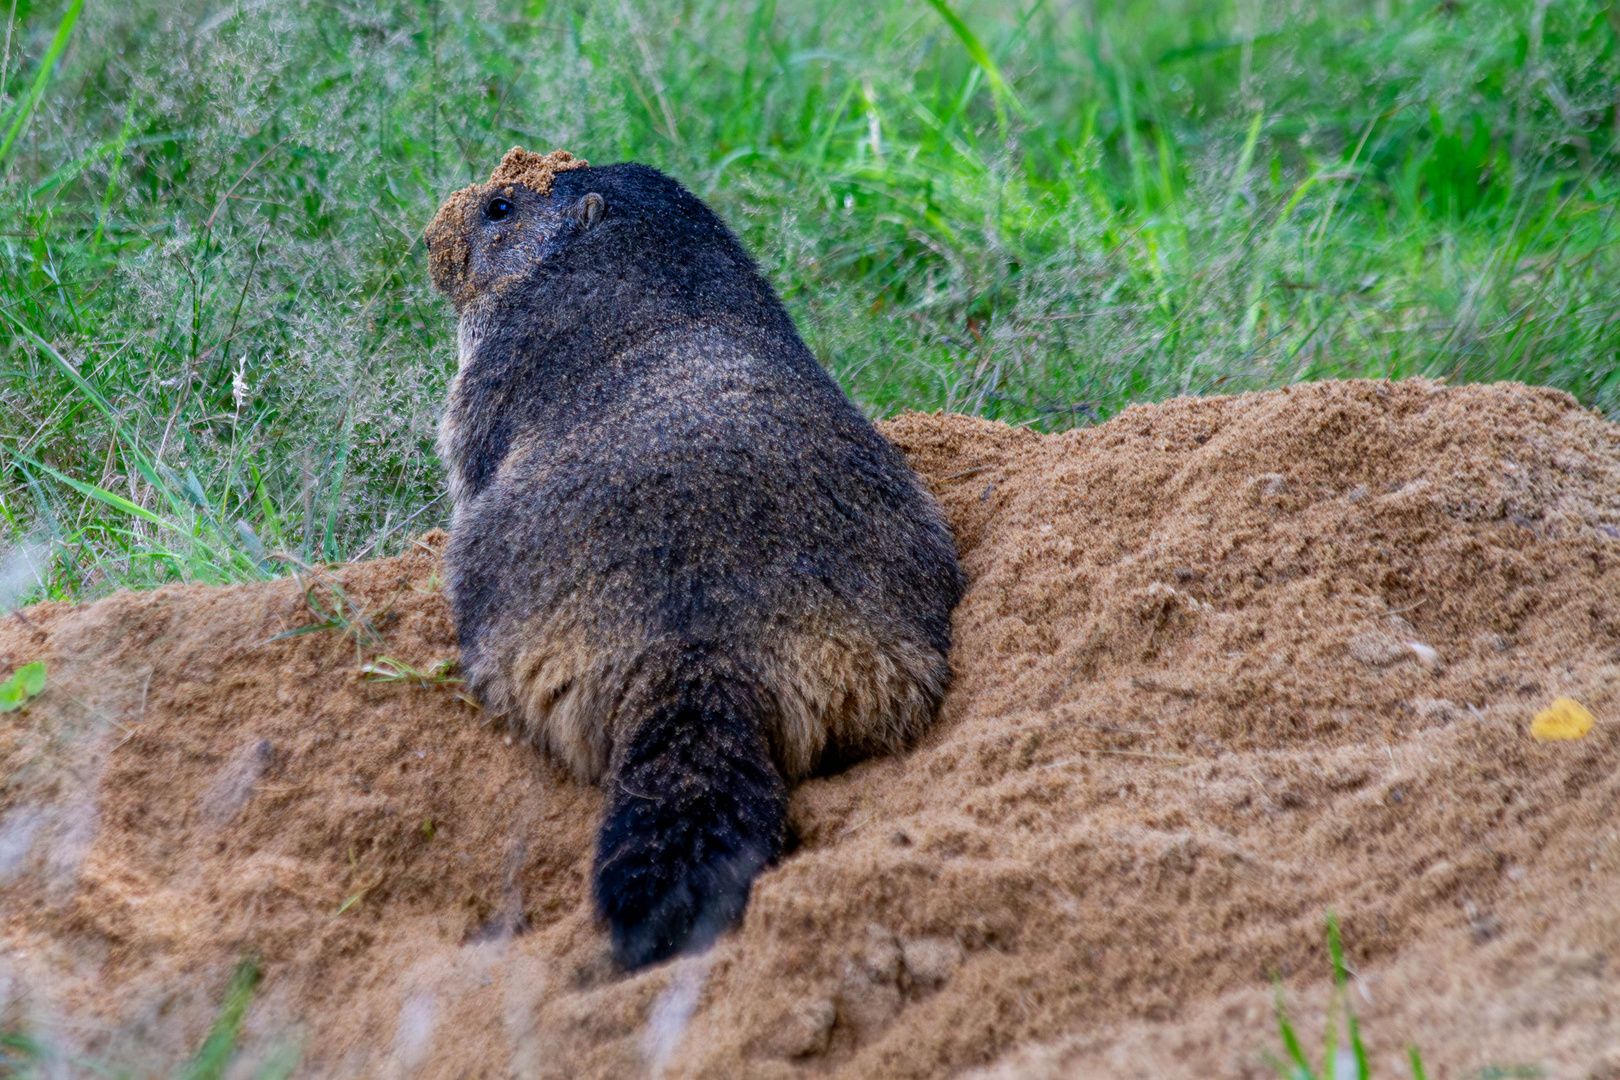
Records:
x=589, y=210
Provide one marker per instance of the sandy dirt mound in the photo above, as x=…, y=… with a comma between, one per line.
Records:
x=1223, y=664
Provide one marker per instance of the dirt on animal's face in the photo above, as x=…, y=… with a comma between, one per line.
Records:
x=487, y=234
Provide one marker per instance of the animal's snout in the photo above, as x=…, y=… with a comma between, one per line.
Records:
x=449, y=252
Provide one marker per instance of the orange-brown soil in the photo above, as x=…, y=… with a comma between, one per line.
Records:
x=1224, y=664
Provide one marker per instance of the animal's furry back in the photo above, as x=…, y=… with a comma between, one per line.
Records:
x=669, y=517
x=705, y=506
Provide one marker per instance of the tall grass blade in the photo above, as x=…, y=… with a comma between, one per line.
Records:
x=112, y=499
x=1240, y=174
x=1000, y=91
x=213, y=1057
x=1285, y=1028
x=25, y=107
x=147, y=468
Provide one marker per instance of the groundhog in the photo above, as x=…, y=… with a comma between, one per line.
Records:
x=681, y=561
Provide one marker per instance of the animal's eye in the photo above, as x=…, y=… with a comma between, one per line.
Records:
x=497, y=209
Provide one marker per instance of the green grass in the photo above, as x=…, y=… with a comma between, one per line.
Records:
x=25, y=1057
x=1348, y=1059
x=1339, y=1062
x=220, y=345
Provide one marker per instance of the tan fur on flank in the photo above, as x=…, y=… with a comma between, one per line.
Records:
x=845, y=691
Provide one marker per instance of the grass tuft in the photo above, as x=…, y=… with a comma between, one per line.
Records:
x=1346, y=1062
x=25, y=1056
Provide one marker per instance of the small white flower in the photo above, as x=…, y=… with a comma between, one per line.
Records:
x=239, y=386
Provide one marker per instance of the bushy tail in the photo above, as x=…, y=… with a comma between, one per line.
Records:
x=696, y=809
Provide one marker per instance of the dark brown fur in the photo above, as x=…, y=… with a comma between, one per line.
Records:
x=681, y=560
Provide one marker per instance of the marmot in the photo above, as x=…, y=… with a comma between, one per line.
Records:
x=681, y=561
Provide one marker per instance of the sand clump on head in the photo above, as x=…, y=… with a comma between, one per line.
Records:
x=1222, y=664
x=534, y=171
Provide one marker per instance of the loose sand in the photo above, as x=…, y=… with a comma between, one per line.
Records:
x=1224, y=664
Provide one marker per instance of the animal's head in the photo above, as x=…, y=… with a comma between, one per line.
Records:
x=624, y=241
x=487, y=235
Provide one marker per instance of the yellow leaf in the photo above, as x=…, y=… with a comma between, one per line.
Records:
x=1565, y=718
